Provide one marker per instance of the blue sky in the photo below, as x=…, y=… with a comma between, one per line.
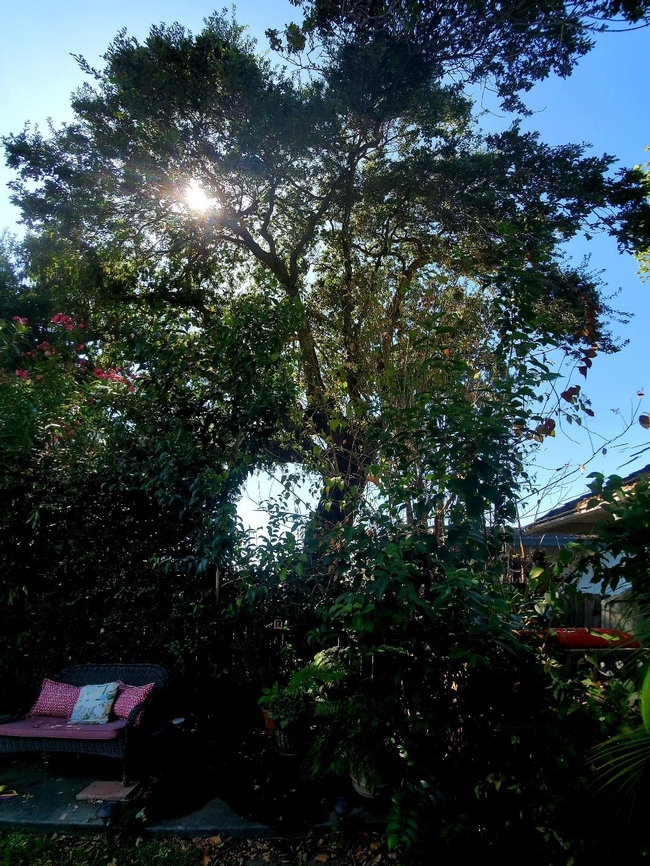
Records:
x=604, y=103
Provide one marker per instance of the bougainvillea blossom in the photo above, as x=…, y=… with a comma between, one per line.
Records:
x=66, y=322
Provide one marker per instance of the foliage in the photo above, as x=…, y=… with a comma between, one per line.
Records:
x=117, y=490
x=619, y=551
x=371, y=295
x=352, y=721
x=643, y=252
x=17, y=296
x=618, y=554
x=284, y=707
x=354, y=196
x=422, y=677
x=477, y=42
x=20, y=849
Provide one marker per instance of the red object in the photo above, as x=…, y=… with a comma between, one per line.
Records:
x=56, y=699
x=269, y=722
x=592, y=638
x=129, y=697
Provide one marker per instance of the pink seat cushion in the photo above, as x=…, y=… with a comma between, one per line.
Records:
x=60, y=729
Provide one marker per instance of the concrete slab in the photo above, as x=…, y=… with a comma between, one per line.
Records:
x=212, y=819
x=48, y=801
x=45, y=801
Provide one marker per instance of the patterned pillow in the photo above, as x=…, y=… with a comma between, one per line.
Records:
x=94, y=704
x=55, y=699
x=129, y=697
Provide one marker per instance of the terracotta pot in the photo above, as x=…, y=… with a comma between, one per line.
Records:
x=269, y=723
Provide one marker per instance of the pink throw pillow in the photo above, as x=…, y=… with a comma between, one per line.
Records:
x=55, y=699
x=128, y=697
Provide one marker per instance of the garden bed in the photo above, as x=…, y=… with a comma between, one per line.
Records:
x=243, y=768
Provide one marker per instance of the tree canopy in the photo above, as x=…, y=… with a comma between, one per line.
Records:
x=414, y=262
x=643, y=253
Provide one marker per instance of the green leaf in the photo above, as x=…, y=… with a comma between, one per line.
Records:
x=644, y=699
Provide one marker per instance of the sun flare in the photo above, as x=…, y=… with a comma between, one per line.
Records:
x=197, y=199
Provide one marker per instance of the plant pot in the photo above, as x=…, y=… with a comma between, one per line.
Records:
x=285, y=741
x=269, y=722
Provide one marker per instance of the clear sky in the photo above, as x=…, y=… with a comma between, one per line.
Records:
x=604, y=103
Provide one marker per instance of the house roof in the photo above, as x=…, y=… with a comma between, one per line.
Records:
x=575, y=517
x=544, y=540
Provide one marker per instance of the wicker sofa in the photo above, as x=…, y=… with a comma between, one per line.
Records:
x=118, y=739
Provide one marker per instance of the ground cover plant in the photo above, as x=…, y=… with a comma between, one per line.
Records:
x=22, y=848
x=334, y=274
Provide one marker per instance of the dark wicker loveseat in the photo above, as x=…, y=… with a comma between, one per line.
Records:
x=118, y=739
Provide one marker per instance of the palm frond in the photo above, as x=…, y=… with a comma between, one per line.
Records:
x=621, y=762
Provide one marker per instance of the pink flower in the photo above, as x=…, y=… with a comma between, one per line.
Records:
x=111, y=374
x=60, y=319
x=20, y=321
x=22, y=374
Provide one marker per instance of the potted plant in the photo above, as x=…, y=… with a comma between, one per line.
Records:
x=285, y=716
x=350, y=740
x=352, y=729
